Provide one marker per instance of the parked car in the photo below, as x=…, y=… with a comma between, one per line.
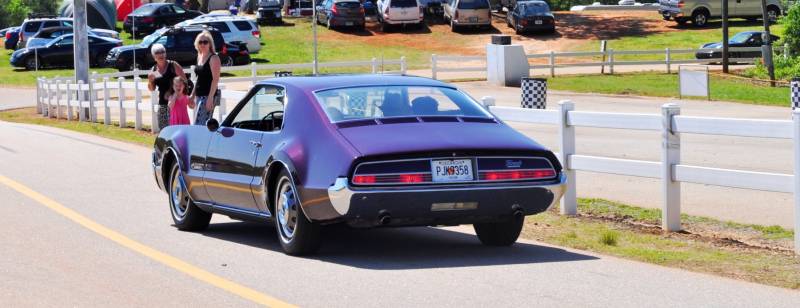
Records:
x=60, y=53
x=235, y=53
x=153, y=16
x=48, y=34
x=269, y=11
x=233, y=29
x=462, y=13
x=316, y=161
x=700, y=11
x=531, y=16
x=400, y=13
x=11, y=38
x=741, y=39
x=30, y=27
x=179, y=42
x=339, y=13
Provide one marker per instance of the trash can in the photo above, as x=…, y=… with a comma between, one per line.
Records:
x=794, y=93
x=534, y=93
x=283, y=73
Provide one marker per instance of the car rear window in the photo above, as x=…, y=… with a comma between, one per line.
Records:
x=32, y=26
x=473, y=4
x=535, y=8
x=358, y=103
x=48, y=24
x=221, y=26
x=403, y=3
x=349, y=4
x=243, y=25
x=145, y=10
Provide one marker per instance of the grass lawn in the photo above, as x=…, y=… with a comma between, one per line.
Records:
x=666, y=85
x=754, y=253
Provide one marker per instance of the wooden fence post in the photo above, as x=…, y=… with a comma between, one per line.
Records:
x=254, y=72
x=611, y=61
x=552, y=63
x=668, y=60
x=38, y=95
x=137, y=94
x=121, y=98
x=49, y=97
x=69, y=101
x=374, y=65
x=403, y=65
x=58, y=99
x=93, y=98
x=106, y=110
x=670, y=156
x=81, y=113
x=566, y=134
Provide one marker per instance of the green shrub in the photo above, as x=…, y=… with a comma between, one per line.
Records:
x=785, y=68
x=609, y=238
x=791, y=31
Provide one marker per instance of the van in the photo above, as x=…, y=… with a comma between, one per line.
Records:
x=461, y=13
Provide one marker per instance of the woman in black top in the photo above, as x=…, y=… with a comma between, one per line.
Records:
x=161, y=77
x=205, y=92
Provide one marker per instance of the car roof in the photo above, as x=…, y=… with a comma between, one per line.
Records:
x=223, y=18
x=314, y=83
x=46, y=19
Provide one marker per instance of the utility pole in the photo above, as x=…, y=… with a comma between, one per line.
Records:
x=725, y=61
x=80, y=43
x=766, y=49
x=314, y=30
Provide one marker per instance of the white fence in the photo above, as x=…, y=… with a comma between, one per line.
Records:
x=439, y=64
x=61, y=97
x=610, y=61
x=670, y=169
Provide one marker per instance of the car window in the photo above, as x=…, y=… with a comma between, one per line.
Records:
x=146, y=9
x=536, y=8
x=32, y=26
x=266, y=100
x=473, y=4
x=220, y=25
x=403, y=3
x=52, y=23
x=396, y=101
x=66, y=23
x=163, y=40
x=165, y=10
x=185, y=40
x=243, y=25
x=65, y=41
x=178, y=9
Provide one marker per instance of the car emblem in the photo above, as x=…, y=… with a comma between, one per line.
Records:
x=513, y=163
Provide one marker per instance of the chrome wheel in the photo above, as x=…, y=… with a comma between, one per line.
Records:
x=700, y=19
x=287, y=207
x=179, y=199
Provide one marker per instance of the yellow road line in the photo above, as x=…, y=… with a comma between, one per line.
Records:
x=163, y=258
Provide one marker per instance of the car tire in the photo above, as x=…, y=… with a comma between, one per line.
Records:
x=297, y=234
x=227, y=61
x=700, y=18
x=31, y=63
x=681, y=21
x=385, y=27
x=185, y=214
x=516, y=29
x=500, y=233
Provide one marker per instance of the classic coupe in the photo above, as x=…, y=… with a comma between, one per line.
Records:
x=363, y=150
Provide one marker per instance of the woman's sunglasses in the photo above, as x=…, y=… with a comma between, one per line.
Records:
x=203, y=42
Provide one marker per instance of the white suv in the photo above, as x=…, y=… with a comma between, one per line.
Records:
x=233, y=29
x=700, y=11
x=400, y=12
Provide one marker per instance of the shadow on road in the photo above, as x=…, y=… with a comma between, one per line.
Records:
x=398, y=248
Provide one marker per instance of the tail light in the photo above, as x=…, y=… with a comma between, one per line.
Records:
x=224, y=49
x=364, y=179
x=334, y=10
x=257, y=33
x=148, y=20
x=8, y=35
x=517, y=175
x=403, y=178
x=21, y=36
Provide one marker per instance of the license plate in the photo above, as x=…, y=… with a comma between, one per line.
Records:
x=473, y=19
x=451, y=170
x=538, y=22
x=349, y=23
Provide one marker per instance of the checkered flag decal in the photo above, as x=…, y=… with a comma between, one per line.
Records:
x=534, y=93
x=283, y=73
x=795, y=93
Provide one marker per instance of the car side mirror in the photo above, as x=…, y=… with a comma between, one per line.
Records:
x=212, y=124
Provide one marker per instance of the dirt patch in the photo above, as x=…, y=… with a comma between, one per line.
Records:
x=572, y=29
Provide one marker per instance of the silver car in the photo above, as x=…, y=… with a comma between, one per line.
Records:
x=462, y=13
x=700, y=11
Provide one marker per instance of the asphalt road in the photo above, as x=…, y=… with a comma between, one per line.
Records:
x=85, y=225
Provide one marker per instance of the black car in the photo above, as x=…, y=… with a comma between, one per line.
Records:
x=60, y=53
x=269, y=11
x=179, y=42
x=151, y=17
x=531, y=16
x=338, y=13
x=741, y=39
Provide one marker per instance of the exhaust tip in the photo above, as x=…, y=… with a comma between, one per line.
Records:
x=384, y=218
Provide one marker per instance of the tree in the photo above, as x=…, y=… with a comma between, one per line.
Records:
x=12, y=12
x=791, y=32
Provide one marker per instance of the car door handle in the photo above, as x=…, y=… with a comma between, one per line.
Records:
x=255, y=143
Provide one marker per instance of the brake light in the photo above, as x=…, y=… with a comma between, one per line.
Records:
x=8, y=35
x=257, y=33
x=517, y=175
x=412, y=178
x=364, y=179
x=224, y=49
x=334, y=10
x=21, y=36
x=148, y=20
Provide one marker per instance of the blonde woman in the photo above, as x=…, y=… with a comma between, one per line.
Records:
x=205, y=92
x=161, y=77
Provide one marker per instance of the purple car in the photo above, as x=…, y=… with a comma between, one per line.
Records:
x=367, y=151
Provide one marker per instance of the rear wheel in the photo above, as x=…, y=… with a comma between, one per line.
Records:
x=186, y=215
x=297, y=234
x=31, y=63
x=227, y=61
x=500, y=233
x=700, y=18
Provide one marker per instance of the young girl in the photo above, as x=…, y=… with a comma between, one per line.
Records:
x=178, y=101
